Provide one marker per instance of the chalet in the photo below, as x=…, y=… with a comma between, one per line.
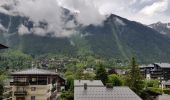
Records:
x=159, y=71
x=95, y=90
x=36, y=84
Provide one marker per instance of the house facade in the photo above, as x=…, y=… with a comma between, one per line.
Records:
x=159, y=71
x=36, y=84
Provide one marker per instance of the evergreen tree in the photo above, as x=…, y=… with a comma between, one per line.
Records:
x=135, y=80
x=101, y=74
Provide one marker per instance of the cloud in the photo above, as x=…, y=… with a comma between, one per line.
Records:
x=85, y=12
x=46, y=11
x=156, y=7
x=23, y=30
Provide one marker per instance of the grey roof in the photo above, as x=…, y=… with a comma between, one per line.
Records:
x=144, y=66
x=167, y=82
x=103, y=93
x=89, y=82
x=164, y=97
x=98, y=92
x=163, y=65
x=34, y=71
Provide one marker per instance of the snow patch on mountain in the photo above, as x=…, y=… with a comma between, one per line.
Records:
x=2, y=28
x=119, y=21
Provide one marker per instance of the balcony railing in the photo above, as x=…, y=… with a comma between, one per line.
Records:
x=20, y=93
x=16, y=83
x=19, y=83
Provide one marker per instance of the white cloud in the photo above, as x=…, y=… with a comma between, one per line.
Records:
x=86, y=12
x=145, y=1
x=23, y=30
x=156, y=7
x=37, y=11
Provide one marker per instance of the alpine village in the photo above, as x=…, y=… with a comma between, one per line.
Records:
x=84, y=50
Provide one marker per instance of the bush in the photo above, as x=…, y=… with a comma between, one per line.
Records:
x=156, y=90
x=152, y=83
x=159, y=90
x=115, y=80
x=166, y=91
x=67, y=95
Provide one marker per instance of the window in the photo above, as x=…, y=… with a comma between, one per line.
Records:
x=32, y=97
x=34, y=79
x=33, y=88
x=20, y=89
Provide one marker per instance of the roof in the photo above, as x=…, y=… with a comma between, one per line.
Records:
x=88, y=82
x=164, y=97
x=34, y=71
x=146, y=66
x=167, y=82
x=98, y=92
x=2, y=46
x=163, y=65
x=103, y=93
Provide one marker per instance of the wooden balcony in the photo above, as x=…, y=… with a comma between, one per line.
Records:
x=19, y=83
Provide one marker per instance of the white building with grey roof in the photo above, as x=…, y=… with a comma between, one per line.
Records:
x=95, y=90
x=36, y=84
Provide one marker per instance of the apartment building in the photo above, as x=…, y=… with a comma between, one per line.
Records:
x=36, y=84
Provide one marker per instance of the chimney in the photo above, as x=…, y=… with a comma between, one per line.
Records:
x=85, y=86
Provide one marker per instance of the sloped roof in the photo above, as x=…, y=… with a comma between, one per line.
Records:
x=34, y=71
x=164, y=97
x=88, y=82
x=167, y=82
x=145, y=66
x=163, y=65
x=103, y=93
x=2, y=46
x=98, y=92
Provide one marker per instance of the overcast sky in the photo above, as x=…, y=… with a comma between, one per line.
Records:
x=88, y=12
x=144, y=11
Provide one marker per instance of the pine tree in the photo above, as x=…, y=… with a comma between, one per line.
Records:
x=101, y=74
x=135, y=80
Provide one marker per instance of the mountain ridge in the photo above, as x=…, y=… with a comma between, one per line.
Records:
x=117, y=37
x=163, y=28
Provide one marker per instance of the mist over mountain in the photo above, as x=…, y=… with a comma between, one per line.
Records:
x=116, y=37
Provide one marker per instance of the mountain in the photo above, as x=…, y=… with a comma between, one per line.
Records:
x=163, y=28
x=117, y=37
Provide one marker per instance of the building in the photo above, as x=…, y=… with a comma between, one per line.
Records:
x=163, y=97
x=36, y=84
x=159, y=71
x=95, y=90
x=167, y=84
